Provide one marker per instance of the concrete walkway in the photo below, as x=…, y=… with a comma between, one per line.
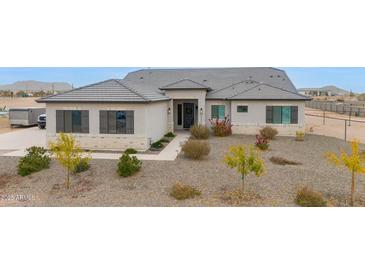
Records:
x=168, y=154
x=15, y=143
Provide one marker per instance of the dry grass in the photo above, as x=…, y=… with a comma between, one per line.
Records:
x=182, y=191
x=282, y=161
x=307, y=197
x=200, y=132
x=196, y=149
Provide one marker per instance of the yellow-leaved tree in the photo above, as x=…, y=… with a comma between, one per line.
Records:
x=67, y=153
x=354, y=162
x=245, y=159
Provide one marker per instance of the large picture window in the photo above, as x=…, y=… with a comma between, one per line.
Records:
x=72, y=121
x=218, y=112
x=282, y=114
x=117, y=122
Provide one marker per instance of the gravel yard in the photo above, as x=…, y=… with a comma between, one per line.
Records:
x=101, y=186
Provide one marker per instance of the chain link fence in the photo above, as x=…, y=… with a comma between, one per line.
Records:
x=357, y=110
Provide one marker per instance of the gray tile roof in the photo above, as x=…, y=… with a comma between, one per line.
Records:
x=185, y=84
x=148, y=85
x=267, y=92
x=113, y=90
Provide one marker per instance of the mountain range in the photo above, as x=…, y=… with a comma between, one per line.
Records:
x=34, y=86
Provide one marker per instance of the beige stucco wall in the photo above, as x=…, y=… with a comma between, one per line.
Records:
x=255, y=119
x=94, y=140
x=186, y=94
x=156, y=120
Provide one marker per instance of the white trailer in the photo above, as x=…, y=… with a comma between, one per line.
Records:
x=25, y=116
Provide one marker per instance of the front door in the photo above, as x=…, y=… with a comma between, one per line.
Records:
x=188, y=115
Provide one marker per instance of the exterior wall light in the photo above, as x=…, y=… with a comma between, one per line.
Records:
x=201, y=111
x=169, y=111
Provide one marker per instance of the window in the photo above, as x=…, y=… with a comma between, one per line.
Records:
x=218, y=112
x=242, y=108
x=72, y=121
x=117, y=122
x=179, y=114
x=282, y=114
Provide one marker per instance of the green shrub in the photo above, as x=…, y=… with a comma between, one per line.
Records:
x=82, y=165
x=195, y=149
x=128, y=165
x=130, y=151
x=164, y=140
x=170, y=135
x=309, y=198
x=269, y=132
x=200, y=132
x=182, y=191
x=157, y=145
x=36, y=159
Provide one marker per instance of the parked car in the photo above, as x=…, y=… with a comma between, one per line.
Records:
x=42, y=121
x=25, y=116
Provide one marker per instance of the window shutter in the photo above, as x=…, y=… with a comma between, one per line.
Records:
x=294, y=114
x=130, y=122
x=84, y=121
x=269, y=114
x=112, y=122
x=68, y=121
x=60, y=122
x=103, y=121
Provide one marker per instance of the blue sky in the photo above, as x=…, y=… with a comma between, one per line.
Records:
x=347, y=78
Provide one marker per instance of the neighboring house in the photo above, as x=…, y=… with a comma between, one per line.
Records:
x=324, y=91
x=133, y=112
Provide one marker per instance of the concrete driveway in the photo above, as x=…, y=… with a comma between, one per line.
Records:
x=22, y=139
x=14, y=144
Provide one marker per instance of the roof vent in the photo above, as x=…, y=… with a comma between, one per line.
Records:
x=278, y=76
x=205, y=80
x=141, y=77
x=271, y=76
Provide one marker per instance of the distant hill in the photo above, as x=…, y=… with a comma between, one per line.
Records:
x=34, y=86
x=333, y=90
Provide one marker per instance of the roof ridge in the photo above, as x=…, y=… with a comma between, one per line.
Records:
x=265, y=84
x=185, y=79
x=234, y=84
x=131, y=89
x=246, y=90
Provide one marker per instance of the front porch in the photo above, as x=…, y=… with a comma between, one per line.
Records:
x=185, y=113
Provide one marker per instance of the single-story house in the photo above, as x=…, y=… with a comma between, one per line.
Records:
x=140, y=108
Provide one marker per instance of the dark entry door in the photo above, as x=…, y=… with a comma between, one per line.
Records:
x=188, y=115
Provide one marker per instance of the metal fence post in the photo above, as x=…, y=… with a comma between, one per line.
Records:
x=324, y=117
x=345, y=130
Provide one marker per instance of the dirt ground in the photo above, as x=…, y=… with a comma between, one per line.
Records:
x=101, y=186
x=11, y=103
x=334, y=128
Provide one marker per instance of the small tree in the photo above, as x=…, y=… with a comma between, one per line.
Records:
x=245, y=159
x=67, y=152
x=355, y=163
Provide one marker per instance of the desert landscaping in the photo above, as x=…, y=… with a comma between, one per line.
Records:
x=278, y=185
